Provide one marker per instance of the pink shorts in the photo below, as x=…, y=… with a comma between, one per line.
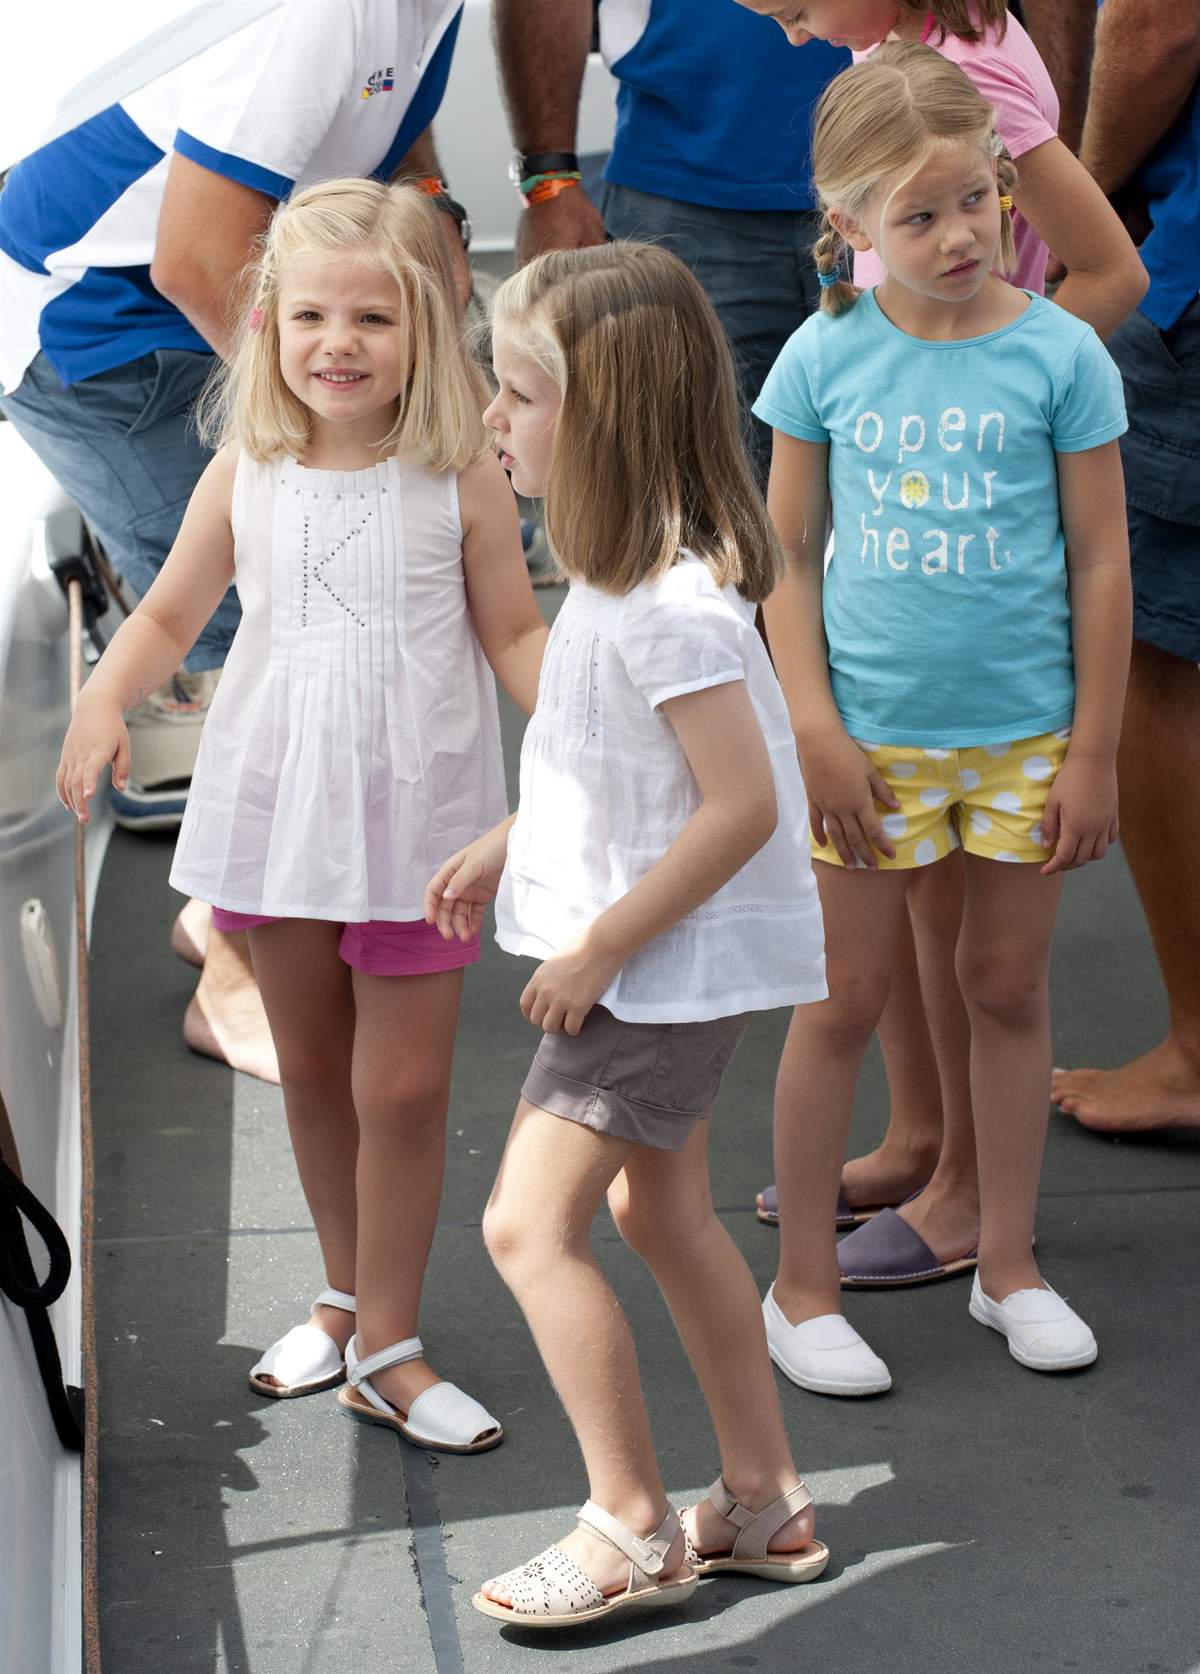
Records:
x=381, y=947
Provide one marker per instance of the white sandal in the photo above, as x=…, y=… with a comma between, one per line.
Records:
x=749, y=1554
x=443, y=1416
x=306, y=1359
x=552, y=1591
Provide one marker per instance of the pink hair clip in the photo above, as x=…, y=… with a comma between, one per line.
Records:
x=256, y=319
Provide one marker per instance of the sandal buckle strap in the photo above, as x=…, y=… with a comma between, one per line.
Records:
x=755, y=1528
x=647, y=1554
x=358, y=1369
x=330, y=1298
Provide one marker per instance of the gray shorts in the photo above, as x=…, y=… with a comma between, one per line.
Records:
x=645, y=1082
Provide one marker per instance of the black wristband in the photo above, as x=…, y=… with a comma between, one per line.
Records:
x=546, y=162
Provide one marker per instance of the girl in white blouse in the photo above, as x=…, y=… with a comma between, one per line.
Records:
x=353, y=739
x=658, y=870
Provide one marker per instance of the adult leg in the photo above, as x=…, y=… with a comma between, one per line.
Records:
x=814, y=1091
x=123, y=446
x=662, y=1204
x=403, y=1048
x=537, y=1226
x=310, y=1006
x=1003, y=969
x=225, y=1018
x=1158, y=768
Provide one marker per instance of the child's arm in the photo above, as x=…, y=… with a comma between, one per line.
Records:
x=1105, y=278
x=460, y=889
x=724, y=745
x=841, y=784
x=1081, y=812
x=153, y=641
x=503, y=608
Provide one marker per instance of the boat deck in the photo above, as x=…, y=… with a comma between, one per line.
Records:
x=980, y=1517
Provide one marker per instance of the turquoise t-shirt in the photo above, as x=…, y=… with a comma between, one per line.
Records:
x=946, y=604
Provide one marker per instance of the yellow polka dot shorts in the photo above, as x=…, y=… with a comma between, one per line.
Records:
x=989, y=801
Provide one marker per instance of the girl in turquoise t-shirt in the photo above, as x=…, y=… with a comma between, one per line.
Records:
x=956, y=679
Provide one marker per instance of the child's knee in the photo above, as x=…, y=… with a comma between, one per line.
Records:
x=414, y=1107
x=848, y=1018
x=506, y=1234
x=1010, y=995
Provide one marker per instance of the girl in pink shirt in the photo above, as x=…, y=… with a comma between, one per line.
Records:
x=1056, y=206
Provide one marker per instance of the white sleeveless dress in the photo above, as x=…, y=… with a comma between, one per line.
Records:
x=353, y=743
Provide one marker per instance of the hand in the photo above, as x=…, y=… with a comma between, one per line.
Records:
x=569, y=221
x=92, y=742
x=458, y=893
x=1081, y=813
x=843, y=788
x=561, y=992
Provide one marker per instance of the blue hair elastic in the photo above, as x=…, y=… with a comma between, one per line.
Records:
x=827, y=279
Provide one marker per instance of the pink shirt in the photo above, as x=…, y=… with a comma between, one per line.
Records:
x=1011, y=76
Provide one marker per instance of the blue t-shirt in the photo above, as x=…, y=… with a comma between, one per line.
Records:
x=1170, y=178
x=946, y=607
x=713, y=105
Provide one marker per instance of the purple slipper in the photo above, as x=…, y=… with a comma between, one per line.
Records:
x=847, y=1215
x=889, y=1252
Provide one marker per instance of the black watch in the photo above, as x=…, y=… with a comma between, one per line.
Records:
x=525, y=163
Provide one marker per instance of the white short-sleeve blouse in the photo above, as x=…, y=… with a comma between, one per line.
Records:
x=606, y=788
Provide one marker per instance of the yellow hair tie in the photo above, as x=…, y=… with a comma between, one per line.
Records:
x=1005, y=201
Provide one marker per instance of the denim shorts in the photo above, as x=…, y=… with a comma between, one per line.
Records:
x=123, y=445
x=1161, y=455
x=755, y=265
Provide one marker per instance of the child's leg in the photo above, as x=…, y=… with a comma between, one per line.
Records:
x=814, y=1092
x=403, y=1046
x=662, y=1204
x=552, y=1180
x=947, y=1212
x=1003, y=969
x=910, y=1148
x=309, y=1002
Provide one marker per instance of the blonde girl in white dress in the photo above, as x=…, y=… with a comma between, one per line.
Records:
x=353, y=742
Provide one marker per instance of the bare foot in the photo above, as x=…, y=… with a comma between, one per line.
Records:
x=948, y=1220
x=886, y=1175
x=607, y=1568
x=1161, y=1089
x=334, y=1322
x=889, y=1174
x=189, y=933
x=712, y=1535
x=225, y=1017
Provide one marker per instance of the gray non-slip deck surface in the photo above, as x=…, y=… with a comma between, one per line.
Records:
x=981, y=1518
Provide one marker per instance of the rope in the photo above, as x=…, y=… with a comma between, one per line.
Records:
x=91, y=1434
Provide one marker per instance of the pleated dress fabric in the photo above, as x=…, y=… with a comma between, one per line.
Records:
x=353, y=743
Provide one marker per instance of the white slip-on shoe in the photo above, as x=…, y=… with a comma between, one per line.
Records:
x=825, y=1355
x=306, y=1359
x=1043, y=1332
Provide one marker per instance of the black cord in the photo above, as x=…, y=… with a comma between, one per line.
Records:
x=19, y=1282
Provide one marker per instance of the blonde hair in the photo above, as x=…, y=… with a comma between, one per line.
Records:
x=878, y=120
x=439, y=419
x=648, y=456
x=970, y=20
